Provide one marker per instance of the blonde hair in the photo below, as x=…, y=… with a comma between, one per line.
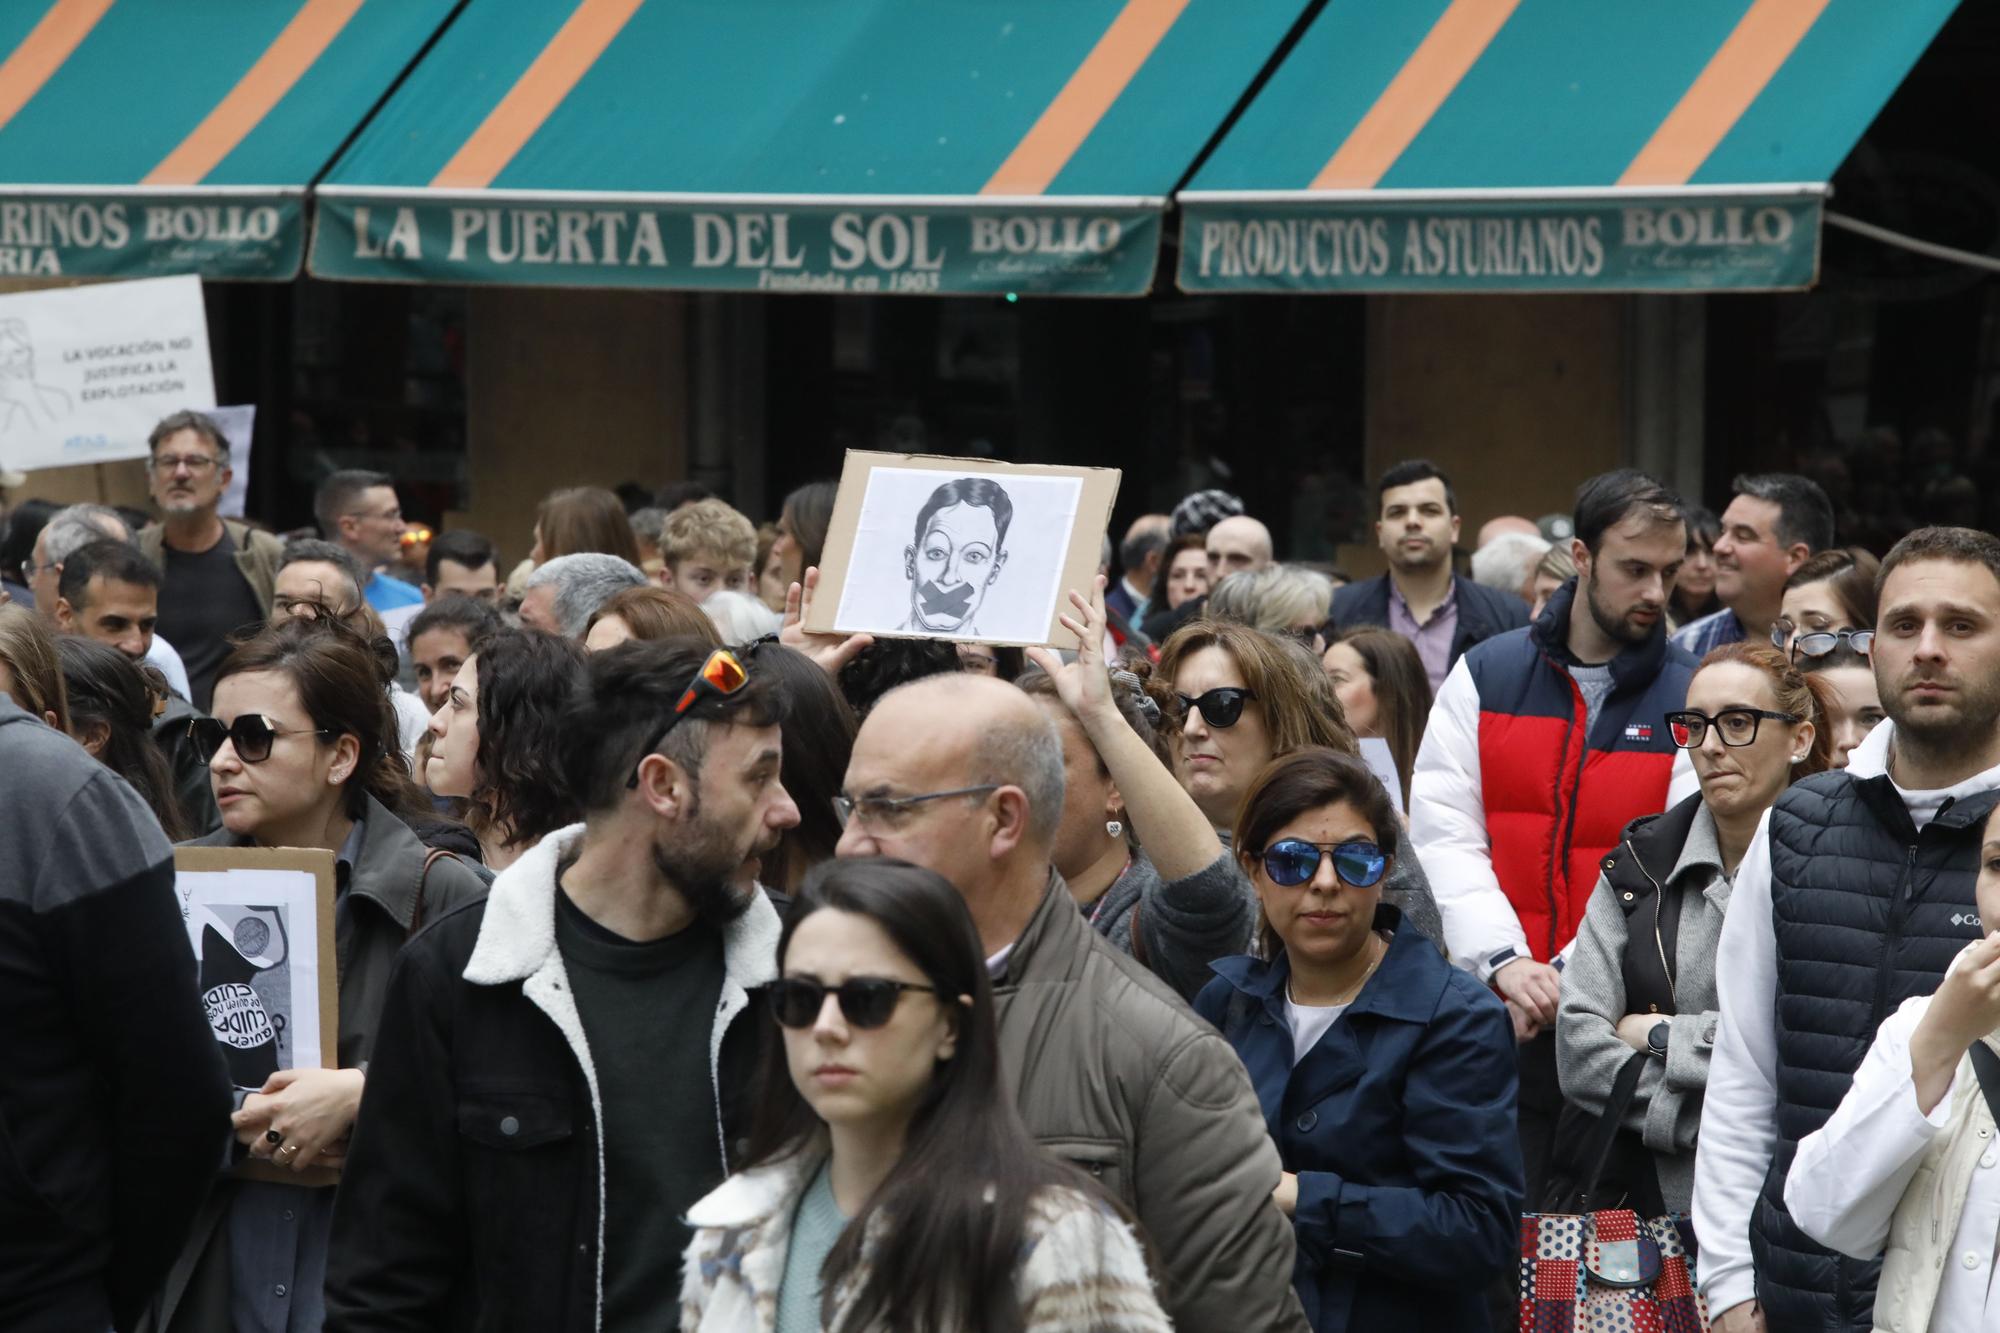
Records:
x=712, y=528
x=1294, y=696
x=28, y=651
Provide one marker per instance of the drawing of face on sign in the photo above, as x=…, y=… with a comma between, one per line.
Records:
x=960, y=549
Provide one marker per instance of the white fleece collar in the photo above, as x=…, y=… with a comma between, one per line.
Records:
x=749, y=1198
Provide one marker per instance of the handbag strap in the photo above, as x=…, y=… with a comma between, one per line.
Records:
x=1596, y=1147
x=1986, y=1065
x=431, y=858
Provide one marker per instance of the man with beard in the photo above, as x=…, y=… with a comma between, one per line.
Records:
x=1544, y=743
x=1855, y=895
x=563, y=1069
x=1421, y=598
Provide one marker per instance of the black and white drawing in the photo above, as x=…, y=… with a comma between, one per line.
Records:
x=254, y=937
x=972, y=557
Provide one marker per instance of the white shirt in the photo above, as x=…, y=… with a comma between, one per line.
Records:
x=412, y=720
x=163, y=656
x=1739, y=1131
x=1850, y=1175
x=1309, y=1023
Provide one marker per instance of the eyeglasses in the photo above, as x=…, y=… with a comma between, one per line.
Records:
x=168, y=464
x=1219, y=707
x=1821, y=642
x=29, y=569
x=723, y=674
x=251, y=733
x=889, y=811
x=865, y=1002
x=1293, y=861
x=1737, y=726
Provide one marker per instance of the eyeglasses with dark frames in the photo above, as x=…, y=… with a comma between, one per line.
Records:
x=865, y=1002
x=1736, y=726
x=252, y=735
x=1221, y=707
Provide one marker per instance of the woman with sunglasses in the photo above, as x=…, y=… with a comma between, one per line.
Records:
x=1829, y=603
x=891, y=1183
x=496, y=741
x=1640, y=984
x=302, y=752
x=1387, y=1075
x=1245, y=698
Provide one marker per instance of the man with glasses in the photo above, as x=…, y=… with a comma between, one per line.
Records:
x=964, y=775
x=1856, y=894
x=359, y=512
x=216, y=573
x=563, y=1069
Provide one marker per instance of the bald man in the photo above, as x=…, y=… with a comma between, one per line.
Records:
x=1237, y=545
x=964, y=775
x=1494, y=527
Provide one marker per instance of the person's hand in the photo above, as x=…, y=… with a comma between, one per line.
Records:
x=1634, y=1029
x=1535, y=987
x=1084, y=686
x=1965, y=1008
x=1286, y=1196
x=311, y=1110
x=1526, y=1029
x=831, y=651
x=1743, y=1317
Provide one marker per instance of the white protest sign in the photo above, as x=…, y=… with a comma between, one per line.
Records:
x=86, y=372
x=237, y=423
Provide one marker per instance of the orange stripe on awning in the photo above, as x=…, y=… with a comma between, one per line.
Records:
x=1764, y=39
x=42, y=52
x=1454, y=44
x=1068, y=120
x=262, y=86
x=536, y=94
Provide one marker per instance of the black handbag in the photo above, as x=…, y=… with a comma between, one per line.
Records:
x=1598, y=1163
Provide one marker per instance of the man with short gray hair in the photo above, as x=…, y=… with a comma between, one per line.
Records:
x=964, y=775
x=562, y=595
x=66, y=533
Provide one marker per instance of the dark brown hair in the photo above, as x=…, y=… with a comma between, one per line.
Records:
x=808, y=512
x=343, y=684
x=1294, y=697
x=1962, y=546
x=1797, y=693
x=108, y=689
x=526, y=678
x=1402, y=693
x=1193, y=541
x=819, y=739
x=585, y=518
x=654, y=613
x=1297, y=784
x=1851, y=572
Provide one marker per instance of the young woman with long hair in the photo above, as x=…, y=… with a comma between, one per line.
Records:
x=803, y=523
x=302, y=752
x=1384, y=692
x=1694, y=591
x=891, y=1184
x=495, y=741
x=111, y=705
x=819, y=738
x=30, y=670
x=1387, y=1075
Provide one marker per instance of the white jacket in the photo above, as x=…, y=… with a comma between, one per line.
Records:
x=1880, y=1174
x=1081, y=1270
x=1448, y=829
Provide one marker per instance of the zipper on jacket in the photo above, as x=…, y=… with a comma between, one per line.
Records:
x=1898, y=908
x=1568, y=825
x=1659, y=896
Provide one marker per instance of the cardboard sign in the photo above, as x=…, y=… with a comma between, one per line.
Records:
x=924, y=547
x=87, y=372
x=261, y=923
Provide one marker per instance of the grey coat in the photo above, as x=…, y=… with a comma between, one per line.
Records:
x=1180, y=925
x=1666, y=1111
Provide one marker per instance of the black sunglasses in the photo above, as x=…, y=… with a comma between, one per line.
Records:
x=865, y=1002
x=252, y=734
x=1219, y=707
x=1294, y=861
x=1737, y=726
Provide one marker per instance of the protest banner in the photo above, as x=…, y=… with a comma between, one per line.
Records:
x=963, y=549
x=238, y=424
x=261, y=924
x=86, y=372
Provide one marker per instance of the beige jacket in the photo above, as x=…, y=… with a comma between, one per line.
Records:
x=1081, y=1269
x=1115, y=1074
x=257, y=555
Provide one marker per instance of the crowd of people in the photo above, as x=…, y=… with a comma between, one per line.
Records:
x=1255, y=964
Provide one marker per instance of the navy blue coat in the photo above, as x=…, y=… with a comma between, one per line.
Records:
x=1400, y=1126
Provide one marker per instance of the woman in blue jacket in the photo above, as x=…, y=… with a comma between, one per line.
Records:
x=1386, y=1075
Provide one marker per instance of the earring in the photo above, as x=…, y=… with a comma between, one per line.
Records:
x=1798, y=759
x=1114, y=829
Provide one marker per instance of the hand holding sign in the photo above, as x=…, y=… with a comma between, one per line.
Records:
x=831, y=651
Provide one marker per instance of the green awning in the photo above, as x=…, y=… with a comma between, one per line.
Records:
x=1547, y=145
x=921, y=146
x=151, y=137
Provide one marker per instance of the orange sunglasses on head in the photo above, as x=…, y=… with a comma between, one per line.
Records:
x=722, y=674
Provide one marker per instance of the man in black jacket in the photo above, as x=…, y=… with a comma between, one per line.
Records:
x=562, y=1070
x=114, y=1104
x=1420, y=597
